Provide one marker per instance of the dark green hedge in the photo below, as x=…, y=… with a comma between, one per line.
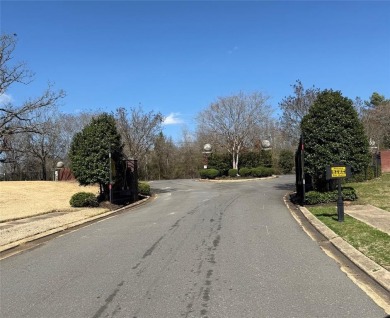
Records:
x=84, y=199
x=261, y=172
x=233, y=173
x=245, y=172
x=209, y=173
x=315, y=197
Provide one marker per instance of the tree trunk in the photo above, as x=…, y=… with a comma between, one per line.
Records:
x=43, y=167
x=234, y=160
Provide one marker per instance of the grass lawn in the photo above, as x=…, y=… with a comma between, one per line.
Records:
x=371, y=242
x=375, y=192
x=20, y=199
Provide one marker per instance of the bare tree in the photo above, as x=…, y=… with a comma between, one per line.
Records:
x=68, y=125
x=138, y=131
x=189, y=155
x=19, y=118
x=294, y=107
x=376, y=122
x=163, y=160
x=47, y=144
x=230, y=121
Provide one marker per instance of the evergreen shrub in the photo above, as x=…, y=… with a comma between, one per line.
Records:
x=83, y=199
x=315, y=197
x=245, y=172
x=329, y=141
x=208, y=173
x=286, y=161
x=220, y=162
x=261, y=172
x=233, y=173
x=367, y=174
x=143, y=188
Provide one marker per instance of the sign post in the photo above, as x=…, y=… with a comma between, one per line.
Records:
x=338, y=171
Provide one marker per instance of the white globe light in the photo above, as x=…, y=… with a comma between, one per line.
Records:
x=60, y=164
x=207, y=147
x=266, y=144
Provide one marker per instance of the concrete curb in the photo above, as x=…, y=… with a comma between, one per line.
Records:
x=375, y=271
x=68, y=226
x=236, y=180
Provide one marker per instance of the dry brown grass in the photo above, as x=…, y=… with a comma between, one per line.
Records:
x=19, y=199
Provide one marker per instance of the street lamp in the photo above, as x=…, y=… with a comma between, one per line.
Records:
x=207, y=150
x=58, y=168
x=375, y=156
x=266, y=144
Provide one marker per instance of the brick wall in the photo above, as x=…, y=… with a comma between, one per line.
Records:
x=65, y=174
x=385, y=160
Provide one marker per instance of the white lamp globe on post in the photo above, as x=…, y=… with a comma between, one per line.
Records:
x=59, y=166
x=207, y=149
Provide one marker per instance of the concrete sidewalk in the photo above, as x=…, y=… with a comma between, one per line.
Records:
x=370, y=215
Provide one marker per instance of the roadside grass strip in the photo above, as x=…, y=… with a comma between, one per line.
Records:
x=371, y=242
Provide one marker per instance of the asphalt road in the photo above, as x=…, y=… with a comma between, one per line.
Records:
x=200, y=249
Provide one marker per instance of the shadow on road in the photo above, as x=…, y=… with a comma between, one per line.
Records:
x=157, y=191
x=285, y=186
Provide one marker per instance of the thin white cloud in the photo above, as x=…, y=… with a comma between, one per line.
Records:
x=231, y=51
x=5, y=99
x=173, y=119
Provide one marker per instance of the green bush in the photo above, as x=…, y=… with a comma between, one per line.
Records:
x=83, y=199
x=245, y=172
x=251, y=159
x=330, y=141
x=315, y=197
x=349, y=194
x=367, y=174
x=220, y=162
x=208, y=173
x=143, y=188
x=233, y=173
x=286, y=161
x=261, y=172
x=257, y=172
x=269, y=172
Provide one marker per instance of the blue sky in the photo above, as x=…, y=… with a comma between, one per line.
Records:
x=178, y=57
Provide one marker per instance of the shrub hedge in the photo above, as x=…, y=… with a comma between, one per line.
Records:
x=315, y=197
x=233, y=173
x=83, y=199
x=245, y=172
x=143, y=188
x=260, y=172
x=208, y=173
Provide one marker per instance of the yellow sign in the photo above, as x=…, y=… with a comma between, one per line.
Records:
x=339, y=172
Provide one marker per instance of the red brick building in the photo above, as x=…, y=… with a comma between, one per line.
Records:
x=385, y=160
